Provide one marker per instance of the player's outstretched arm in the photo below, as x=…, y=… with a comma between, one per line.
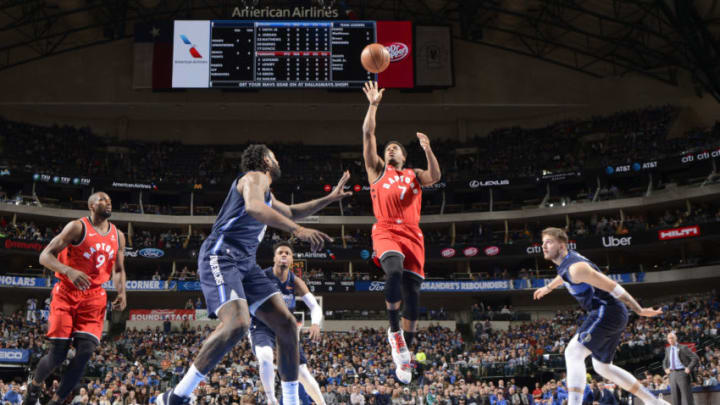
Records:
x=119, y=277
x=373, y=162
x=581, y=272
x=543, y=291
x=72, y=232
x=302, y=210
x=432, y=174
x=312, y=304
x=253, y=187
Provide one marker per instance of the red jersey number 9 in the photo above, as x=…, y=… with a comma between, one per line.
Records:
x=100, y=261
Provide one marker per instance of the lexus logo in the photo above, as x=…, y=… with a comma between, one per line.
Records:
x=474, y=184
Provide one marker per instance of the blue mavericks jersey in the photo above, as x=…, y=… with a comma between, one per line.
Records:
x=588, y=296
x=287, y=290
x=234, y=228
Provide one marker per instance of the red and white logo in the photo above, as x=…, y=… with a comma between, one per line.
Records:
x=448, y=253
x=327, y=188
x=398, y=51
x=492, y=251
x=470, y=251
x=679, y=233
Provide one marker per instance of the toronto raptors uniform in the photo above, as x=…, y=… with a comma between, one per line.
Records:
x=72, y=310
x=396, y=197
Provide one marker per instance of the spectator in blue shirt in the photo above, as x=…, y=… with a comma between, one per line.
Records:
x=13, y=395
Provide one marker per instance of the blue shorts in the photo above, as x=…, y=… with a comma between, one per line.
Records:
x=262, y=335
x=223, y=278
x=602, y=331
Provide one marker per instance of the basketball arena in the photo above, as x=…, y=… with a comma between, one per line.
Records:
x=359, y=202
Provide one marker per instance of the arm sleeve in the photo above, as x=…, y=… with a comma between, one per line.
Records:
x=315, y=310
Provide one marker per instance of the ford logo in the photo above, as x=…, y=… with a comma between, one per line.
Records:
x=398, y=51
x=470, y=252
x=151, y=253
x=492, y=250
x=376, y=286
x=448, y=252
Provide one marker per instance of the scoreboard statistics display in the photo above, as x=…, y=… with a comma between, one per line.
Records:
x=287, y=54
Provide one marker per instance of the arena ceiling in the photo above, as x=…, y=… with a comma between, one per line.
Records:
x=601, y=38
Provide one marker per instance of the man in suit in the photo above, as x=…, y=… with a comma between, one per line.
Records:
x=680, y=362
x=606, y=395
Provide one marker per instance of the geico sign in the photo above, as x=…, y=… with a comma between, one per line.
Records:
x=679, y=233
x=8, y=355
x=611, y=241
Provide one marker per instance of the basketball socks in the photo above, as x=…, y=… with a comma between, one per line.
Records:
x=290, y=393
x=575, y=355
x=310, y=384
x=409, y=338
x=267, y=377
x=394, y=317
x=191, y=380
x=625, y=380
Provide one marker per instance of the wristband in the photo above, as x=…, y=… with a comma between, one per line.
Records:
x=618, y=291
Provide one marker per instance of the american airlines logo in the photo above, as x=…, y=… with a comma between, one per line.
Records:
x=193, y=51
x=679, y=233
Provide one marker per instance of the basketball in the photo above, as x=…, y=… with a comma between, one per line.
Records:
x=375, y=58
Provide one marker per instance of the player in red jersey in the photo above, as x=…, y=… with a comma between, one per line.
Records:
x=84, y=255
x=397, y=239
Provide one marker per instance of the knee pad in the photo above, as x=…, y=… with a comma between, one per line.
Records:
x=601, y=368
x=85, y=347
x=392, y=264
x=265, y=355
x=575, y=351
x=411, y=297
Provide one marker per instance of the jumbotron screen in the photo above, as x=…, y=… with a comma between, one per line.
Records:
x=287, y=54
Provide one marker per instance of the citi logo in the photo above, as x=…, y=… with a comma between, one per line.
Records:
x=611, y=241
x=537, y=248
x=194, y=52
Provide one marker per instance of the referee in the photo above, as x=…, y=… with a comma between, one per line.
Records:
x=679, y=363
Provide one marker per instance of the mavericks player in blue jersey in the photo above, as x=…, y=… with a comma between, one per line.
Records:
x=263, y=338
x=234, y=285
x=600, y=334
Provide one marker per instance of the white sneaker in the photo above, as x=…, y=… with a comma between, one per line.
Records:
x=401, y=356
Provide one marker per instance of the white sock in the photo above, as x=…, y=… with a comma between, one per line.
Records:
x=264, y=354
x=625, y=380
x=310, y=384
x=191, y=380
x=290, y=393
x=575, y=398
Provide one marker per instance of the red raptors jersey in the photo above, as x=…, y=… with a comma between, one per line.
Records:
x=397, y=196
x=94, y=255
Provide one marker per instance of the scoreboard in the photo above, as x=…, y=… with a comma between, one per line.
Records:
x=286, y=54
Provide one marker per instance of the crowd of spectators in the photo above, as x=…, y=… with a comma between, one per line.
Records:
x=618, y=138
x=139, y=364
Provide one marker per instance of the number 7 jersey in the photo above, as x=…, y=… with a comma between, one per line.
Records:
x=397, y=197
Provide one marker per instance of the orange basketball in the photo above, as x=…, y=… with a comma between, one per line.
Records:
x=375, y=58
